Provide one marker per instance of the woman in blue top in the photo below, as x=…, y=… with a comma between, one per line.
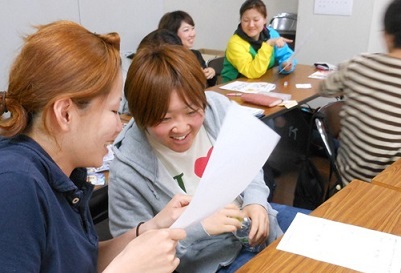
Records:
x=62, y=100
x=254, y=48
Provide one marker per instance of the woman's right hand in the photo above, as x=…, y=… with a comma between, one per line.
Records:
x=228, y=219
x=153, y=251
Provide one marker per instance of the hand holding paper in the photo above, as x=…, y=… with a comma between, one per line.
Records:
x=242, y=147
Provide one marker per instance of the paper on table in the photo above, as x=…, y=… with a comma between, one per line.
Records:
x=249, y=87
x=289, y=104
x=257, y=112
x=342, y=244
x=242, y=147
x=303, y=85
x=320, y=74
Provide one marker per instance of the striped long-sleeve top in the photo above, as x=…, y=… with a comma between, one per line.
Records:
x=371, y=117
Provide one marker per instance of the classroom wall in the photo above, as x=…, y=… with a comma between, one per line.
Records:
x=335, y=38
x=376, y=43
x=17, y=16
x=132, y=19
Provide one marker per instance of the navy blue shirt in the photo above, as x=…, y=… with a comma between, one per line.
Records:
x=45, y=223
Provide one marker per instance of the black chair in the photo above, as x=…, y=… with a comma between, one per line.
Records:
x=217, y=65
x=99, y=201
x=328, y=125
x=99, y=205
x=313, y=188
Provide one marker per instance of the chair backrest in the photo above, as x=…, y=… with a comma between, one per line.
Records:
x=99, y=205
x=331, y=114
x=99, y=201
x=216, y=64
x=328, y=124
x=327, y=121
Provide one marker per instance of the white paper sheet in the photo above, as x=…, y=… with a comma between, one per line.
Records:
x=257, y=112
x=242, y=147
x=249, y=87
x=349, y=246
x=303, y=85
x=320, y=74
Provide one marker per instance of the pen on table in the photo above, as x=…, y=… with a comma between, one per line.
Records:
x=287, y=65
x=288, y=61
x=234, y=94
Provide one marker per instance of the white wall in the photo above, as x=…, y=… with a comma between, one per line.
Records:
x=334, y=39
x=16, y=19
x=132, y=19
x=338, y=38
x=376, y=43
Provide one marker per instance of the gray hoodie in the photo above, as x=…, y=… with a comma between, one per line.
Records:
x=137, y=193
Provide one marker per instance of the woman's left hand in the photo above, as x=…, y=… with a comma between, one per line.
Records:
x=279, y=42
x=260, y=224
x=169, y=214
x=209, y=72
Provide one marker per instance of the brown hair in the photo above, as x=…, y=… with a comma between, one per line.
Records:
x=159, y=37
x=253, y=4
x=154, y=74
x=172, y=20
x=62, y=59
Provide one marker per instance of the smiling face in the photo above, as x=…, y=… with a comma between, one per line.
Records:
x=187, y=34
x=95, y=128
x=252, y=23
x=180, y=125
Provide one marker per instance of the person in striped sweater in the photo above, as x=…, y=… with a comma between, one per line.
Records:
x=370, y=137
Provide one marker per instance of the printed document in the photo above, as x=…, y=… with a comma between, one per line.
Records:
x=346, y=245
x=249, y=87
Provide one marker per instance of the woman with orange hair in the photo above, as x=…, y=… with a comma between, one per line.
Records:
x=63, y=96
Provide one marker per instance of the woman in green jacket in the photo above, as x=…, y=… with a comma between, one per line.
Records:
x=254, y=48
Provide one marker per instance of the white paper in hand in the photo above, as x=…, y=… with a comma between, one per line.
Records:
x=242, y=147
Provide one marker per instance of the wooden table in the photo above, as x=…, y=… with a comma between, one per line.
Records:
x=300, y=75
x=360, y=203
x=390, y=177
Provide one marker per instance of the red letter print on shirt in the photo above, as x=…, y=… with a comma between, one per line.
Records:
x=200, y=163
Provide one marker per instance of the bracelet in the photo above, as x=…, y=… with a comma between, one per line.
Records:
x=137, y=228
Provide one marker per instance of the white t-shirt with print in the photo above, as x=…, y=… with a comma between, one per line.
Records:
x=185, y=168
